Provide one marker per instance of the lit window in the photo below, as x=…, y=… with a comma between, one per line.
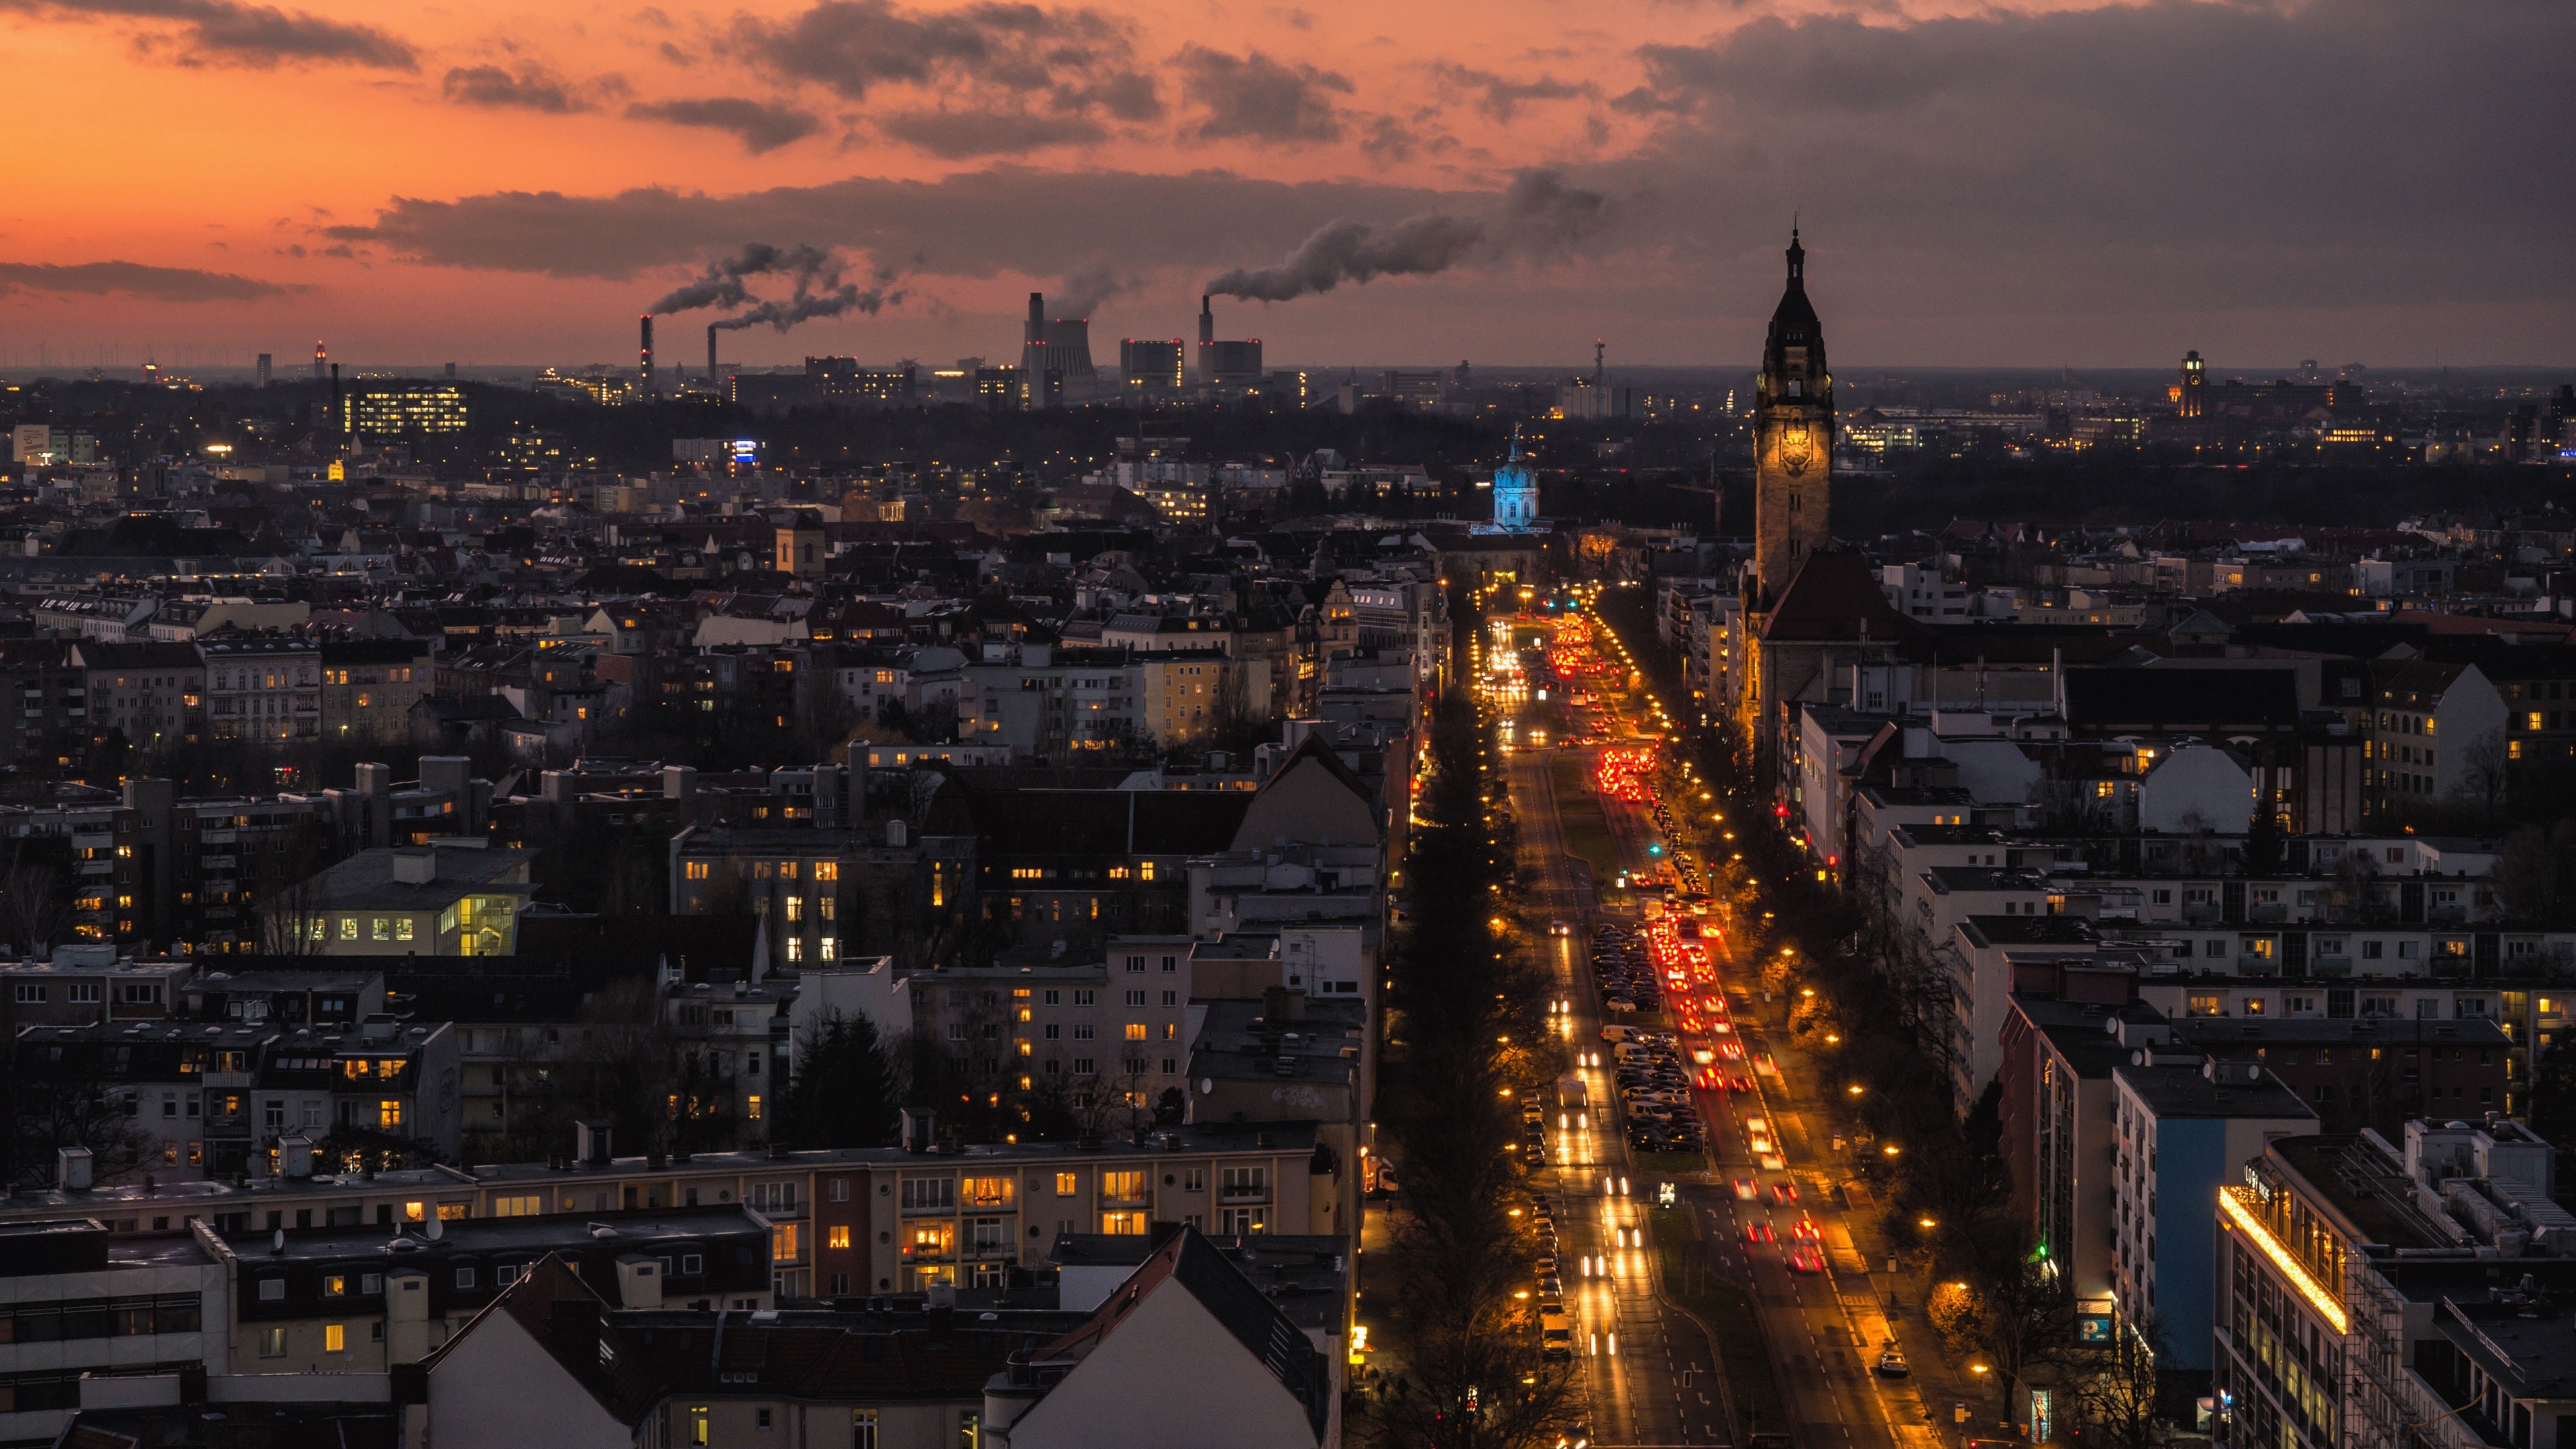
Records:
x=751, y=1107
x=335, y=1337
x=348, y=928
x=840, y=1236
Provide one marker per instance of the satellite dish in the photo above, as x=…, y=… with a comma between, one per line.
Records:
x=437, y=1228
x=1206, y=1085
x=277, y=1241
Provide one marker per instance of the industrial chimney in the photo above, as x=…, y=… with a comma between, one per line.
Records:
x=711, y=356
x=645, y=359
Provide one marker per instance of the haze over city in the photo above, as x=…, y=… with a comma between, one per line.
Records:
x=2041, y=184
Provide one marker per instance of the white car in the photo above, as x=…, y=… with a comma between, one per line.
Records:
x=1745, y=1190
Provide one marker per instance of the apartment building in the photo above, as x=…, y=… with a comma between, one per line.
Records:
x=577, y=1369
x=76, y=1300
x=968, y=1217
x=212, y=1100
x=826, y=892
x=264, y=687
x=440, y=900
x=146, y=694
x=2183, y=1126
x=349, y=1300
x=369, y=687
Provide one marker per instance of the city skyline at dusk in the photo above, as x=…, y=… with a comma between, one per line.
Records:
x=2091, y=185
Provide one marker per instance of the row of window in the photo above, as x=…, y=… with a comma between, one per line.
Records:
x=86, y=993
x=99, y=1318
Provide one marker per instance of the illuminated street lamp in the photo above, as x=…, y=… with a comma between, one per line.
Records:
x=1926, y=1224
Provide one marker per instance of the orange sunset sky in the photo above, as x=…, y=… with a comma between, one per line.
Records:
x=2370, y=180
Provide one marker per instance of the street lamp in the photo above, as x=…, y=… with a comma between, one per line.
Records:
x=1926, y=1224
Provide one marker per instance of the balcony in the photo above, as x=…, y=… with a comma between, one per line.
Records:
x=2330, y=965
x=2251, y=964
x=2268, y=911
x=2200, y=910
x=1230, y=1195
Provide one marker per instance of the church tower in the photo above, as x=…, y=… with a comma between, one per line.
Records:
x=1515, y=491
x=1793, y=443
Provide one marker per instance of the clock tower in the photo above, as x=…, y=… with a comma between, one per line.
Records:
x=1793, y=444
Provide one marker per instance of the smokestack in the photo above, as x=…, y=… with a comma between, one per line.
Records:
x=711, y=354
x=1207, y=322
x=336, y=420
x=645, y=358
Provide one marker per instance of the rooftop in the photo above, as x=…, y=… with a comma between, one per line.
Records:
x=2183, y=1091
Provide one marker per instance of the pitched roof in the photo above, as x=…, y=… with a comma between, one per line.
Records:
x=2173, y=698
x=1108, y=822
x=1834, y=597
x=1191, y=1263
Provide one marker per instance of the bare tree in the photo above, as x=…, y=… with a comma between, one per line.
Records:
x=2115, y=1389
x=35, y=903
x=2486, y=774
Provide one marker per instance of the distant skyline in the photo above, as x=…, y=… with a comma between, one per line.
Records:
x=2093, y=185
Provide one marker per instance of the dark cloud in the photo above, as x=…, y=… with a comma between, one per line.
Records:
x=1501, y=97
x=962, y=135
x=2131, y=159
x=1537, y=215
x=1252, y=97
x=973, y=224
x=133, y=279
x=761, y=125
x=1008, y=78
x=226, y=32
x=533, y=88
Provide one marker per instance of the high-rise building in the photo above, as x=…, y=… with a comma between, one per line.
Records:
x=263, y=369
x=1793, y=442
x=1145, y=363
x=392, y=410
x=2192, y=397
x=321, y=362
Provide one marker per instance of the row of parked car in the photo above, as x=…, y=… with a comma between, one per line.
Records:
x=1655, y=1091
x=1626, y=970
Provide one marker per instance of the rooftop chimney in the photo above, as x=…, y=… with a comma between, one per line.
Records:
x=590, y=1141
x=71, y=1169
x=415, y=867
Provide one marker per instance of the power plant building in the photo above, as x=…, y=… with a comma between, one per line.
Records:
x=1144, y=363
x=1225, y=364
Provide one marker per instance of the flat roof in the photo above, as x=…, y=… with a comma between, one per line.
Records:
x=2181, y=1091
x=499, y=1235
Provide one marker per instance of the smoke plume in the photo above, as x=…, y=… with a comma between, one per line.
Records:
x=1080, y=292
x=814, y=277
x=1538, y=215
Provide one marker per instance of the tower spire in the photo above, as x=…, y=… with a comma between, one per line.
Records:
x=1797, y=258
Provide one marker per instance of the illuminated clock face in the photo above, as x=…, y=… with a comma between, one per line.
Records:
x=1797, y=446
